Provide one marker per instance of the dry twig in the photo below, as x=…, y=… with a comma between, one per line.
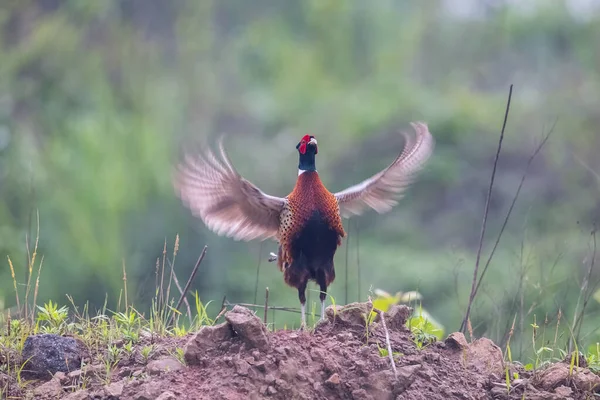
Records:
x=189, y=281
x=266, y=305
x=485, y=215
x=387, y=341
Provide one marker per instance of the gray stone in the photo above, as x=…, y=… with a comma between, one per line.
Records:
x=48, y=354
x=207, y=338
x=78, y=395
x=166, y=364
x=167, y=396
x=485, y=355
x=115, y=389
x=396, y=317
x=248, y=327
x=353, y=314
x=457, y=341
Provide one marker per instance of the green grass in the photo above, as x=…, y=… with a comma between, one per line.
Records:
x=126, y=336
x=112, y=337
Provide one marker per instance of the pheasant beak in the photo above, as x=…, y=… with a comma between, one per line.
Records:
x=313, y=142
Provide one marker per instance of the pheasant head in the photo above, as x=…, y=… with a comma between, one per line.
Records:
x=307, y=149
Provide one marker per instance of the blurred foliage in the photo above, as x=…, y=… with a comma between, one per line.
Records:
x=424, y=327
x=97, y=99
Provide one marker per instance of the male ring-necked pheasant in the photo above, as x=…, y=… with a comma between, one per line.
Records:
x=308, y=222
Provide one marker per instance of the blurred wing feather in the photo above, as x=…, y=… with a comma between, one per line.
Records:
x=383, y=190
x=227, y=203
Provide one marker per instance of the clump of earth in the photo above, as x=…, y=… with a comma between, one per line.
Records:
x=339, y=359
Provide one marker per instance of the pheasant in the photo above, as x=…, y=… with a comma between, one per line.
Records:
x=307, y=223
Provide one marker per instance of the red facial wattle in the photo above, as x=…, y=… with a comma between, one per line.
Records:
x=303, y=144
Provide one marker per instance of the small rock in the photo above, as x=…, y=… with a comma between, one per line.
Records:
x=60, y=376
x=379, y=384
x=408, y=371
x=78, y=395
x=406, y=376
x=137, y=373
x=485, y=355
x=49, y=390
x=318, y=354
x=457, y=341
x=396, y=317
x=167, y=396
x=241, y=367
x=165, y=364
x=256, y=355
x=558, y=374
x=207, y=338
x=333, y=381
x=270, y=379
x=301, y=376
x=563, y=391
x=271, y=390
x=344, y=337
x=499, y=392
x=115, y=389
x=149, y=391
x=47, y=354
x=261, y=366
x=281, y=384
x=248, y=326
x=432, y=357
x=353, y=314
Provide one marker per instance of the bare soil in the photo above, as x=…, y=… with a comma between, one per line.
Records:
x=339, y=359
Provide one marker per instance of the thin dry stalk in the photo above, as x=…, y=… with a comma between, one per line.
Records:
x=556, y=331
x=185, y=300
x=125, y=283
x=156, y=280
x=512, y=205
x=189, y=281
x=172, y=264
x=586, y=290
x=36, y=290
x=12, y=272
x=266, y=305
x=31, y=264
x=485, y=215
x=223, y=309
x=346, y=269
x=470, y=329
x=387, y=342
x=162, y=276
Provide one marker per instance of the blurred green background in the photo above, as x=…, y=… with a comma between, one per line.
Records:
x=97, y=99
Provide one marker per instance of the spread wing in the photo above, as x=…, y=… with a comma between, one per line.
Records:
x=226, y=202
x=383, y=190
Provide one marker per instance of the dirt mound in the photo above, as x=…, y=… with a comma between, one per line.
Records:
x=340, y=359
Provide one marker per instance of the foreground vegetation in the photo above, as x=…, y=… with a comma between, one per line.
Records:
x=114, y=337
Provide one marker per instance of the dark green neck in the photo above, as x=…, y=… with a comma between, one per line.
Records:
x=307, y=162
